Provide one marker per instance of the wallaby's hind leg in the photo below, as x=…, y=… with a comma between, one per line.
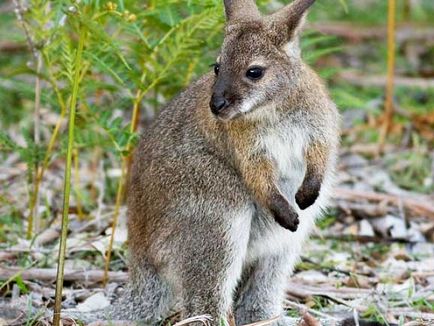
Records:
x=262, y=290
x=211, y=268
x=147, y=299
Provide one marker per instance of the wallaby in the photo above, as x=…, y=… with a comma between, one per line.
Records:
x=228, y=181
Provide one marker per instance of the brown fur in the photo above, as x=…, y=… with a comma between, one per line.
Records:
x=205, y=190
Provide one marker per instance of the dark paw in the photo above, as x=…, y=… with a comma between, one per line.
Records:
x=304, y=199
x=284, y=214
x=288, y=220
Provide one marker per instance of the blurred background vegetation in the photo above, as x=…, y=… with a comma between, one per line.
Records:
x=137, y=55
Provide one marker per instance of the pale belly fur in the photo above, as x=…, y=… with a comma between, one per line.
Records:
x=267, y=237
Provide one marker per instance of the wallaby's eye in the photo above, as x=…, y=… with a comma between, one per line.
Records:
x=255, y=73
x=216, y=68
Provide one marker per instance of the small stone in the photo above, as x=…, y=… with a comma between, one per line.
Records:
x=95, y=302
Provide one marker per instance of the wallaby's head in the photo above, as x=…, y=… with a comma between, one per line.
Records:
x=259, y=59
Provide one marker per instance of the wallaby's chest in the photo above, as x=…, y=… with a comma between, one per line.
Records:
x=285, y=146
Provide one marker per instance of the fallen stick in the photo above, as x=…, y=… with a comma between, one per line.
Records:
x=419, y=207
x=7, y=7
x=380, y=80
x=302, y=307
x=49, y=275
x=411, y=313
x=363, y=238
x=338, y=294
x=355, y=33
x=13, y=47
x=303, y=291
x=42, y=239
x=363, y=210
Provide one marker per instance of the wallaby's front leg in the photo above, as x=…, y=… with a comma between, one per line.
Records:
x=316, y=163
x=260, y=177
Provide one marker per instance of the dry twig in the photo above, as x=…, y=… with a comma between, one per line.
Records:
x=49, y=275
x=380, y=80
x=354, y=33
x=422, y=207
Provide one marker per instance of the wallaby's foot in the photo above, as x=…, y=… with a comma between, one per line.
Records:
x=284, y=213
x=262, y=290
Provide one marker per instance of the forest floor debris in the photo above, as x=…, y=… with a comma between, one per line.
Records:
x=372, y=253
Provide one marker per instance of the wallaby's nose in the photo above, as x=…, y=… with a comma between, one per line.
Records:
x=217, y=104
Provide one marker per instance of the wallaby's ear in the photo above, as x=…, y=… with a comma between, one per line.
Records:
x=241, y=10
x=288, y=20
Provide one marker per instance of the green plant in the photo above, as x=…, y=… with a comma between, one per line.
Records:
x=412, y=169
x=74, y=78
x=373, y=313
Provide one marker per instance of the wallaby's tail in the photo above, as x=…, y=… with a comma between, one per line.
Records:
x=146, y=300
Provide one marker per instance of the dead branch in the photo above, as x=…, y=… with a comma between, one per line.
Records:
x=355, y=33
x=13, y=47
x=47, y=236
x=380, y=81
x=362, y=238
x=49, y=275
x=6, y=7
x=303, y=291
x=302, y=307
x=411, y=313
x=364, y=210
x=367, y=149
x=340, y=294
x=19, y=11
x=419, y=207
x=43, y=238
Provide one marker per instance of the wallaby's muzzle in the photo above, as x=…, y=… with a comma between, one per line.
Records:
x=218, y=103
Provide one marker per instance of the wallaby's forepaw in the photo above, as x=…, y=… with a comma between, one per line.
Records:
x=307, y=194
x=304, y=200
x=284, y=213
